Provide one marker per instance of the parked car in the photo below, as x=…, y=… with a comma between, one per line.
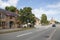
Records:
x=24, y=25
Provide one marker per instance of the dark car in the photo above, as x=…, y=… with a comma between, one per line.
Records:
x=53, y=25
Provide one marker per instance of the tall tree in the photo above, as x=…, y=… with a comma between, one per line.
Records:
x=26, y=15
x=44, y=19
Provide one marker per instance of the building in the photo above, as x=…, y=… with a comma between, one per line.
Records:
x=52, y=21
x=8, y=19
x=37, y=21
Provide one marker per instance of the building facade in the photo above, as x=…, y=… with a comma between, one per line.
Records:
x=37, y=21
x=8, y=19
x=52, y=21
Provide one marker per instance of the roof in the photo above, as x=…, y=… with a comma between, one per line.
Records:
x=8, y=12
x=37, y=18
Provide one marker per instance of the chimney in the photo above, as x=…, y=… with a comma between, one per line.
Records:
x=17, y=11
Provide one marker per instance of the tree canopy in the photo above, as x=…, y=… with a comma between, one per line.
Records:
x=10, y=8
x=26, y=15
x=44, y=19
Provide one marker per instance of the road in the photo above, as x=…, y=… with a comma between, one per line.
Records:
x=51, y=33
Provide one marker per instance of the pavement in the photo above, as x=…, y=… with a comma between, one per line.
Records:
x=17, y=29
x=50, y=33
x=56, y=35
x=9, y=30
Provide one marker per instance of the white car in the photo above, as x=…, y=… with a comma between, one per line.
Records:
x=24, y=25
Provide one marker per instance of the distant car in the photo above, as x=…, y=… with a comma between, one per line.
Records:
x=54, y=25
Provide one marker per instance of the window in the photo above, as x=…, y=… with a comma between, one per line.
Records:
x=3, y=23
x=3, y=16
x=0, y=23
x=0, y=16
x=11, y=17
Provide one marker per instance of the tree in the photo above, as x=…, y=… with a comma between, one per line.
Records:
x=6, y=8
x=56, y=22
x=11, y=8
x=44, y=19
x=26, y=15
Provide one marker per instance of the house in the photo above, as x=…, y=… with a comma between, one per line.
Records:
x=8, y=19
x=37, y=21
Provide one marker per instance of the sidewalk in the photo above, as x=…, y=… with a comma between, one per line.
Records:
x=13, y=30
x=9, y=30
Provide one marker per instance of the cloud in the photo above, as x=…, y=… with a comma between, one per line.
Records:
x=57, y=5
x=49, y=10
x=40, y=11
x=8, y=3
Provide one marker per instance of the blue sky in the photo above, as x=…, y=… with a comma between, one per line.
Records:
x=36, y=3
x=49, y=7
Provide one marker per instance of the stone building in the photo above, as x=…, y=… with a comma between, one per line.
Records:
x=52, y=21
x=37, y=21
x=8, y=19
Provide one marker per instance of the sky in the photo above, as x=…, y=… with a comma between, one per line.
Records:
x=49, y=7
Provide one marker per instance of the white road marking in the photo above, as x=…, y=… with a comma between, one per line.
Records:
x=23, y=34
x=28, y=33
x=51, y=34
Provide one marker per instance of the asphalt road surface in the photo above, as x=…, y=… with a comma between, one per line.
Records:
x=51, y=33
